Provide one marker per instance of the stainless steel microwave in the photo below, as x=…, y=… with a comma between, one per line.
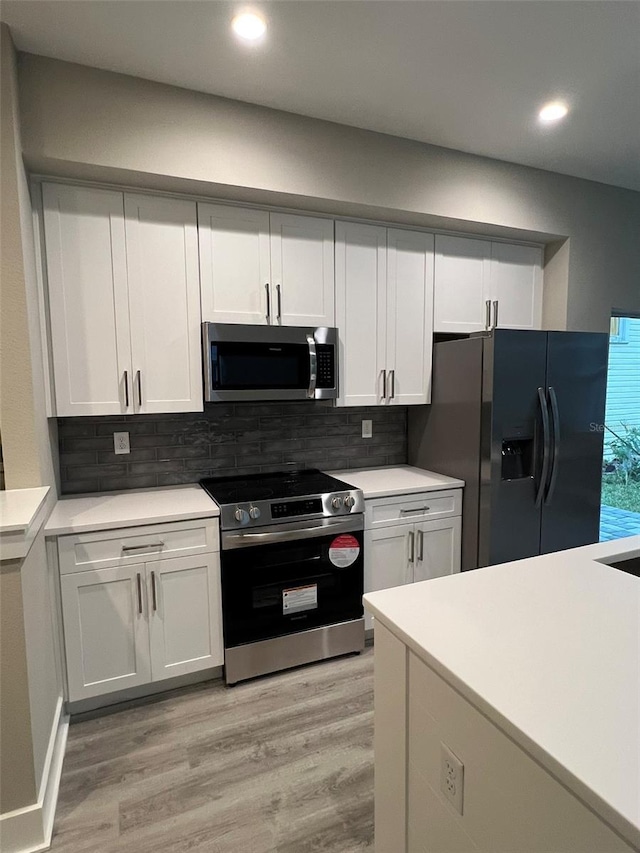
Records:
x=269, y=362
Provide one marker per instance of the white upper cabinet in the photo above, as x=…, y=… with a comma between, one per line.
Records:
x=164, y=300
x=409, y=316
x=302, y=276
x=235, y=273
x=480, y=284
x=87, y=277
x=262, y=268
x=384, y=298
x=124, y=302
x=361, y=312
x=516, y=285
x=461, y=282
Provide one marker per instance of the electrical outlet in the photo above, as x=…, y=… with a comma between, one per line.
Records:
x=451, y=777
x=121, y=442
x=367, y=429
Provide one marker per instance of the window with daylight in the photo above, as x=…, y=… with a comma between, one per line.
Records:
x=619, y=330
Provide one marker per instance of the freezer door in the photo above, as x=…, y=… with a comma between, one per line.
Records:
x=576, y=388
x=514, y=367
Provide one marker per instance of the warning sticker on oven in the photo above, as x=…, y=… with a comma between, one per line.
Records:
x=344, y=550
x=300, y=598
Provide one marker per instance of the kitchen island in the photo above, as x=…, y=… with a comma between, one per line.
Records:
x=529, y=673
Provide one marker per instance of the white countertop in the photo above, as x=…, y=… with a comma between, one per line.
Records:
x=22, y=512
x=397, y=480
x=549, y=649
x=127, y=509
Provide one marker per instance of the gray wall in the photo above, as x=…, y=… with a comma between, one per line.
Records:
x=30, y=679
x=98, y=125
x=228, y=439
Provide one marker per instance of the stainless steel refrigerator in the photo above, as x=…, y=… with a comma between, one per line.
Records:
x=519, y=416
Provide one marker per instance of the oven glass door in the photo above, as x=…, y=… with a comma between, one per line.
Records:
x=277, y=589
x=244, y=366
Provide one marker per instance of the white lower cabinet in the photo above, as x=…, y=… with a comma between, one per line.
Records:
x=409, y=550
x=183, y=594
x=142, y=622
x=106, y=631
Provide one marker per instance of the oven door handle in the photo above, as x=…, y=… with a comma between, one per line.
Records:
x=246, y=540
x=313, y=367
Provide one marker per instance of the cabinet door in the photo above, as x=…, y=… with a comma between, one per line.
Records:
x=302, y=274
x=164, y=300
x=437, y=548
x=361, y=312
x=387, y=560
x=185, y=615
x=87, y=279
x=106, y=630
x=461, y=284
x=516, y=284
x=234, y=264
x=409, y=316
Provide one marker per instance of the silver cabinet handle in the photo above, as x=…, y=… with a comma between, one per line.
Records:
x=313, y=367
x=145, y=547
x=411, y=546
x=384, y=384
x=392, y=377
x=126, y=389
x=279, y=295
x=495, y=314
x=414, y=511
x=139, y=583
x=420, y=546
x=487, y=316
x=139, y=384
x=266, y=287
x=153, y=591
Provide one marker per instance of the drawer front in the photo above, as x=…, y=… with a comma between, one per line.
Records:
x=382, y=512
x=120, y=547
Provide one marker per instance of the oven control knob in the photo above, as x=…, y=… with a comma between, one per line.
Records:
x=349, y=501
x=336, y=502
x=241, y=515
x=254, y=512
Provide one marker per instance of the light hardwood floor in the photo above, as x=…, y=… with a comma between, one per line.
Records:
x=282, y=764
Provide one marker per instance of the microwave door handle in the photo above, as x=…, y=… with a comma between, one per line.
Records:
x=313, y=367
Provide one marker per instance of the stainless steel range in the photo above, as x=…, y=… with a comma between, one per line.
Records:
x=292, y=569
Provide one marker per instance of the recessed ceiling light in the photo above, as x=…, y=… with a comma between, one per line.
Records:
x=553, y=111
x=249, y=26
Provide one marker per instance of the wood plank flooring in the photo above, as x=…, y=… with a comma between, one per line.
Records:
x=282, y=764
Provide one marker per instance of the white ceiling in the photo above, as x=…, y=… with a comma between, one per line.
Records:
x=465, y=74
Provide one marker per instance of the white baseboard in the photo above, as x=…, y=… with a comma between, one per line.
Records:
x=29, y=830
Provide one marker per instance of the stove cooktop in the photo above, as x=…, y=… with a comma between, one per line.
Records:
x=284, y=496
x=260, y=487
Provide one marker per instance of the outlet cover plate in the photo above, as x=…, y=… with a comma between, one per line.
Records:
x=121, y=443
x=451, y=777
x=367, y=429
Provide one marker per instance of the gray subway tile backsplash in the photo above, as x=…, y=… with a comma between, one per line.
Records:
x=225, y=440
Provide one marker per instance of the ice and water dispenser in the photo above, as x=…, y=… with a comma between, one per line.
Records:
x=517, y=458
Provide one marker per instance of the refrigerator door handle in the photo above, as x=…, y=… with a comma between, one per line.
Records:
x=555, y=416
x=546, y=445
